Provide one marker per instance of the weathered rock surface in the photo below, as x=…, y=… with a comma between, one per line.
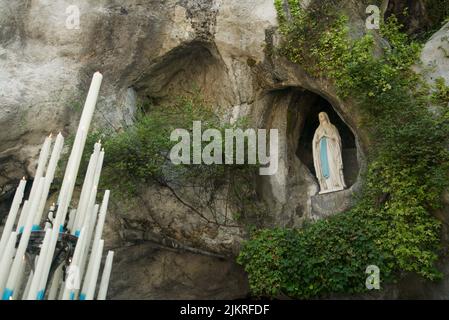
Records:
x=146, y=271
x=435, y=55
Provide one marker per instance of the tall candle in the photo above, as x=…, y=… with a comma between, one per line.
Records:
x=63, y=203
x=27, y=287
x=86, y=189
x=19, y=281
x=94, y=276
x=67, y=180
x=42, y=162
x=89, y=224
x=30, y=278
x=22, y=218
x=81, y=135
x=98, y=169
x=93, y=191
x=12, y=216
x=43, y=158
x=55, y=284
x=97, y=238
x=104, y=284
x=6, y=261
x=74, y=267
x=49, y=175
x=34, y=292
x=23, y=244
x=103, y=212
x=72, y=167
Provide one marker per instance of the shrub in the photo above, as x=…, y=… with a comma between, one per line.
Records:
x=138, y=156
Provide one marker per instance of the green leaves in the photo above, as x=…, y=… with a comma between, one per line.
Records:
x=138, y=156
x=329, y=256
x=441, y=94
x=391, y=226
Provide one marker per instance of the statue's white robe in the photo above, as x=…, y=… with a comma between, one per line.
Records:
x=336, y=180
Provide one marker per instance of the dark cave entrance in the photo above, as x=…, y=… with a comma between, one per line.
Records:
x=311, y=105
x=293, y=194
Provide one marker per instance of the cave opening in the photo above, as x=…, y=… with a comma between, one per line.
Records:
x=311, y=105
x=293, y=193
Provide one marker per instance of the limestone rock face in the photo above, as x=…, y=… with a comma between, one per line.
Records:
x=146, y=271
x=435, y=55
x=159, y=49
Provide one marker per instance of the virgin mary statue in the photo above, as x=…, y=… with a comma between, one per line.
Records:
x=327, y=156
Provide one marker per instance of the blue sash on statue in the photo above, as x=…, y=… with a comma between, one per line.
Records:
x=323, y=158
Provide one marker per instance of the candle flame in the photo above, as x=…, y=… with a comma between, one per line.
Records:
x=50, y=135
x=23, y=178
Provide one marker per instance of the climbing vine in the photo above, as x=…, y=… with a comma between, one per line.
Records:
x=391, y=226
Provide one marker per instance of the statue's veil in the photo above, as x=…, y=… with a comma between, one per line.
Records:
x=326, y=116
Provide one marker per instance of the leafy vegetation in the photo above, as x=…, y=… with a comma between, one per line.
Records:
x=441, y=94
x=391, y=226
x=421, y=21
x=138, y=156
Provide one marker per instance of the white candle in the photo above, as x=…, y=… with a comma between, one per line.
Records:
x=34, y=293
x=42, y=162
x=104, y=284
x=30, y=278
x=97, y=238
x=73, y=279
x=95, y=270
x=19, y=281
x=93, y=191
x=103, y=212
x=81, y=135
x=12, y=216
x=22, y=218
x=89, y=224
x=6, y=261
x=43, y=158
x=49, y=175
x=27, y=287
x=55, y=284
x=72, y=167
x=86, y=189
x=98, y=169
x=13, y=279
x=63, y=203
